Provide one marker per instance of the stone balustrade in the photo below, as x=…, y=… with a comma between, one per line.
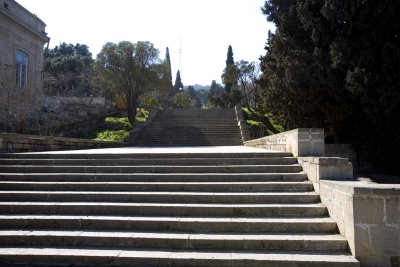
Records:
x=10, y=142
x=300, y=142
x=244, y=127
x=367, y=214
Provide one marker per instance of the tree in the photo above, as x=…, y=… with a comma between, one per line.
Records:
x=194, y=96
x=130, y=70
x=68, y=70
x=335, y=64
x=168, y=66
x=178, y=82
x=248, y=73
x=182, y=100
x=229, y=76
x=216, y=89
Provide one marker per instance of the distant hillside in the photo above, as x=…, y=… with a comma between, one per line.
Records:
x=199, y=87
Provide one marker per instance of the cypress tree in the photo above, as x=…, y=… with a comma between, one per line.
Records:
x=229, y=76
x=178, y=83
x=168, y=62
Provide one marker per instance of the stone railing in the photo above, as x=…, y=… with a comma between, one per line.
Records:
x=300, y=142
x=367, y=214
x=29, y=143
x=244, y=128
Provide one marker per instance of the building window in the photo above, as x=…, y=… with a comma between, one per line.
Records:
x=21, y=66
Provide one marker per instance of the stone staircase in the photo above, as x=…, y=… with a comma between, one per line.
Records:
x=191, y=127
x=163, y=209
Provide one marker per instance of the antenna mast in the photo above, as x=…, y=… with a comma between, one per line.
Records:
x=180, y=55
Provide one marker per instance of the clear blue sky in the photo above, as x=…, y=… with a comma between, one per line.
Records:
x=204, y=28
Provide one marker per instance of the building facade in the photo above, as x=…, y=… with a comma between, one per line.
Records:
x=22, y=41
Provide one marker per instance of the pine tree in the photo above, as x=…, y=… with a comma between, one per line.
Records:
x=178, y=83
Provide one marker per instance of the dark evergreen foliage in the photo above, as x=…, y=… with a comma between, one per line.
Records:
x=336, y=65
x=68, y=70
x=168, y=65
x=229, y=76
x=178, y=86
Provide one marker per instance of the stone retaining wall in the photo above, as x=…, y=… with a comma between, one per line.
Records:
x=368, y=216
x=244, y=127
x=300, y=142
x=31, y=143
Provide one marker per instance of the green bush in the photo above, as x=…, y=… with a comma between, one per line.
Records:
x=117, y=129
x=261, y=124
x=109, y=135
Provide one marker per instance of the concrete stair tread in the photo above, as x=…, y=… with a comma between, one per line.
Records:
x=166, y=209
x=154, y=161
x=282, y=219
x=181, y=234
x=144, y=155
x=168, y=177
x=272, y=186
x=154, y=193
x=163, y=204
x=155, y=168
x=170, y=197
x=174, y=240
x=109, y=257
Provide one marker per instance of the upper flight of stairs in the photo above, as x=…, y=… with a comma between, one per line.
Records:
x=163, y=209
x=191, y=127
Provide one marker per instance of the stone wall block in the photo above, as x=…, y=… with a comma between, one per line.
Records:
x=368, y=210
x=385, y=239
x=362, y=239
x=392, y=205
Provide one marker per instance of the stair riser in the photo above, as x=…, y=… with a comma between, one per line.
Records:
x=108, y=209
x=151, y=169
x=175, y=225
x=174, y=243
x=176, y=162
x=204, y=187
x=157, y=197
x=155, y=177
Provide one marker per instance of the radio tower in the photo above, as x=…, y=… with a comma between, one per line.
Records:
x=180, y=56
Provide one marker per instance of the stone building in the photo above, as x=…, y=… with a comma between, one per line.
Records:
x=22, y=40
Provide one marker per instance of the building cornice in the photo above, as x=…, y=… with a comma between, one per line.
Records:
x=41, y=35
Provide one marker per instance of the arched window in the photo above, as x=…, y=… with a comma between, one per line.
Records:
x=21, y=65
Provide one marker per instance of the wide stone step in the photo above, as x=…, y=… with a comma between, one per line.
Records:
x=176, y=223
x=175, y=240
x=143, y=257
x=163, y=209
x=293, y=168
x=159, y=186
x=154, y=177
x=166, y=197
x=110, y=154
x=155, y=161
x=180, y=143
x=166, y=142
